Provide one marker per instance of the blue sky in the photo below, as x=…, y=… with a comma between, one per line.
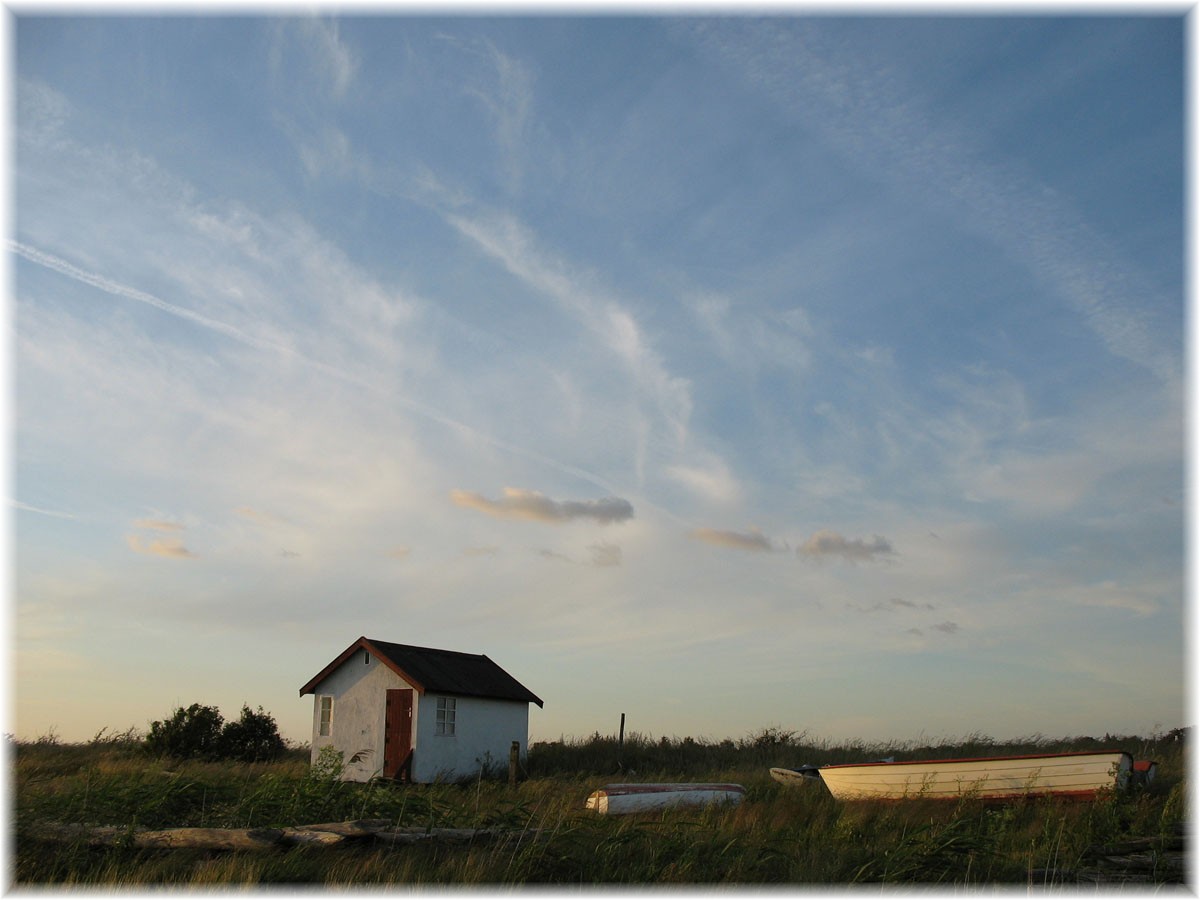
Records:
x=804, y=371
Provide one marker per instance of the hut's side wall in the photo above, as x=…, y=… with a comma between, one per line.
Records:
x=483, y=734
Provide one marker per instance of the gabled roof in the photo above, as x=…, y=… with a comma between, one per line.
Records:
x=440, y=671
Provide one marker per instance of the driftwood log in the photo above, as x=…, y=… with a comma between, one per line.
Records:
x=327, y=834
x=1160, y=859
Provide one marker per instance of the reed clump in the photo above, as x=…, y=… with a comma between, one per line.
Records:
x=539, y=833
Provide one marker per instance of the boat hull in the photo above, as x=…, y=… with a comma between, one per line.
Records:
x=616, y=799
x=796, y=777
x=1002, y=777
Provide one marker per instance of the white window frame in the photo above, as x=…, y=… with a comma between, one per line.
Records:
x=325, y=716
x=447, y=717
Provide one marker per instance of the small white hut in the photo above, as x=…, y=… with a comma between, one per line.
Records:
x=417, y=714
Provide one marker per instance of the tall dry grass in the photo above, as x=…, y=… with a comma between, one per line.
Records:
x=778, y=835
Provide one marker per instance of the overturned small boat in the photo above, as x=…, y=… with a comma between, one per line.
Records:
x=614, y=799
x=805, y=775
x=1144, y=771
x=1078, y=774
x=799, y=777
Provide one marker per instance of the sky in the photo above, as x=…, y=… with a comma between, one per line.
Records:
x=805, y=371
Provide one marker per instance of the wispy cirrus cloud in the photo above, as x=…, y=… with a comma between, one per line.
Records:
x=311, y=49
x=310, y=52
x=508, y=241
x=826, y=543
x=879, y=122
x=41, y=111
x=748, y=341
x=709, y=478
x=532, y=506
x=505, y=89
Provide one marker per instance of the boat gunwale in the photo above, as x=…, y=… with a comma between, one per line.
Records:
x=625, y=790
x=974, y=759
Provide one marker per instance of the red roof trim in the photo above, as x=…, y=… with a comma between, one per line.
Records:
x=918, y=762
x=386, y=660
x=324, y=673
x=364, y=644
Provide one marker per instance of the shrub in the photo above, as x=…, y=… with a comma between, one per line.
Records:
x=200, y=732
x=252, y=738
x=191, y=732
x=329, y=765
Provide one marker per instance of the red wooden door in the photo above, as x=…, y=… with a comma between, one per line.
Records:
x=397, y=734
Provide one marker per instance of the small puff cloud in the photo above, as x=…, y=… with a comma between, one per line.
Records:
x=753, y=540
x=257, y=516
x=157, y=525
x=887, y=606
x=601, y=556
x=526, y=505
x=605, y=554
x=169, y=547
x=473, y=552
x=945, y=628
x=829, y=543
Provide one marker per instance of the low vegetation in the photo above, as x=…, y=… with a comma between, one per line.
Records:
x=201, y=732
x=778, y=835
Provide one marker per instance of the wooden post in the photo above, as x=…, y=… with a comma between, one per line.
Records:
x=514, y=757
x=621, y=740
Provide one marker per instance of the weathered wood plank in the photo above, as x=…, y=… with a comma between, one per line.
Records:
x=305, y=837
x=356, y=828
x=167, y=839
x=326, y=834
x=209, y=839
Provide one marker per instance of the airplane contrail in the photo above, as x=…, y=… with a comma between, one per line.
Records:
x=17, y=504
x=109, y=286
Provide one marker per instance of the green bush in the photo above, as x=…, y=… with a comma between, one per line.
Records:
x=252, y=738
x=192, y=733
x=200, y=732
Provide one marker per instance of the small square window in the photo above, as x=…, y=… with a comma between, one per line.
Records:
x=446, y=716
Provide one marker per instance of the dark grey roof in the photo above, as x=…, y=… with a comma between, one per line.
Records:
x=440, y=671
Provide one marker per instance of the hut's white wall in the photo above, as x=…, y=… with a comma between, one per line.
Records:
x=483, y=734
x=358, y=690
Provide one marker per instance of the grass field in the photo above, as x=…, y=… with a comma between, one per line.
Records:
x=777, y=836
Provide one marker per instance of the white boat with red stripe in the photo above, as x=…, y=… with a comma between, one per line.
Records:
x=1077, y=774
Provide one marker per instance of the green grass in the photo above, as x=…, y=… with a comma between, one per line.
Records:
x=778, y=835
